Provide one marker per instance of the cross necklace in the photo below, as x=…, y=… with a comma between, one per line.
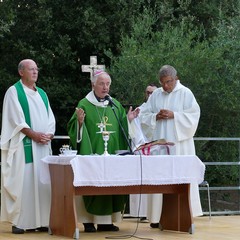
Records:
x=104, y=119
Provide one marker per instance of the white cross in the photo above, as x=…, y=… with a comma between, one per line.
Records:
x=92, y=67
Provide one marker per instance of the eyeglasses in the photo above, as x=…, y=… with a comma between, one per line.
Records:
x=33, y=69
x=167, y=82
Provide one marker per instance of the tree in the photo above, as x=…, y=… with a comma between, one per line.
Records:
x=60, y=36
x=208, y=66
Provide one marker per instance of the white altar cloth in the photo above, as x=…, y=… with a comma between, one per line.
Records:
x=44, y=169
x=115, y=170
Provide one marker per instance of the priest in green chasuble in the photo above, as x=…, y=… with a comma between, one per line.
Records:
x=93, y=116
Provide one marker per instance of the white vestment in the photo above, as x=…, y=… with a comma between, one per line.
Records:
x=25, y=201
x=179, y=130
x=138, y=202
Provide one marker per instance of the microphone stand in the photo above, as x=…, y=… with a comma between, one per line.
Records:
x=123, y=131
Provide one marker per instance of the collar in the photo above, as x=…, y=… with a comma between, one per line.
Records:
x=92, y=98
x=98, y=98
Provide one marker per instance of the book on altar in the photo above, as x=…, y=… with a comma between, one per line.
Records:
x=157, y=147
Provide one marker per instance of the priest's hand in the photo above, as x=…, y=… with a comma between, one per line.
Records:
x=38, y=137
x=45, y=138
x=132, y=113
x=164, y=114
x=80, y=115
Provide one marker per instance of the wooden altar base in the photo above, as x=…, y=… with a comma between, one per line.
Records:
x=176, y=211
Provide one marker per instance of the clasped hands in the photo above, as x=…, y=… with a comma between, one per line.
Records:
x=44, y=138
x=39, y=137
x=164, y=114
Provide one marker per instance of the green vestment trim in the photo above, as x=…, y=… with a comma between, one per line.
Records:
x=22, y=98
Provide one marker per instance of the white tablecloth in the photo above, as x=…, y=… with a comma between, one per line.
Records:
x=113, y=170
x=44, y=169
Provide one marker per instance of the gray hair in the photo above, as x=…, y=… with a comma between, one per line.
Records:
x=97, y=74
x=167, y=70
x=21, y=66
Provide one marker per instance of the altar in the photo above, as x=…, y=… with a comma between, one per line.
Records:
x=130, y=174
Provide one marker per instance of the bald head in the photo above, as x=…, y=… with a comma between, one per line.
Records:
x=28, y=71
x=22, y=65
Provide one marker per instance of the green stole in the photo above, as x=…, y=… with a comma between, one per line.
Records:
x=22, y=98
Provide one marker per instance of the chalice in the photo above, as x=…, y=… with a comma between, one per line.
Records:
x=105, y=136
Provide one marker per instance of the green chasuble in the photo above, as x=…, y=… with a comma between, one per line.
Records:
x=92, y=142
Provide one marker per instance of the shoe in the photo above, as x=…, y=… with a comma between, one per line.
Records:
x=17, y=230
x=42, y=229
x=39, y=229
x=143, y=218
x=89, y=227
x=31, y=230
x=107, y=227
x=154, y=225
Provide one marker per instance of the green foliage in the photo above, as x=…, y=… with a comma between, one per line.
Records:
x=209, y=67
x=60, y=36
x=220, y=151
x=139, y=37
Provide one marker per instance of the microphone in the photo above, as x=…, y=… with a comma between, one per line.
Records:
x=110, y=100
x=111, y=103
